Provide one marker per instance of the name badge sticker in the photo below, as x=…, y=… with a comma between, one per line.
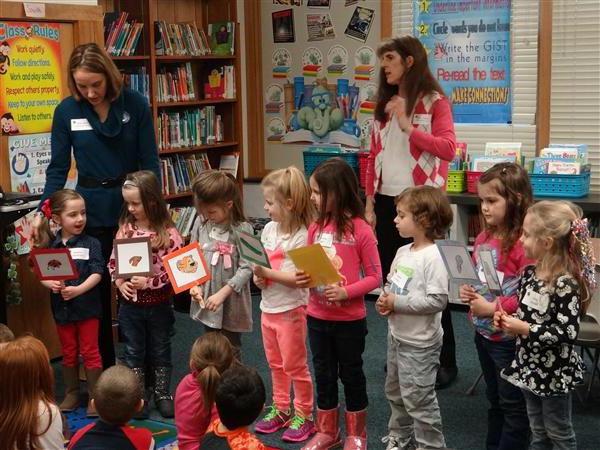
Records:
x=80, y=125
x=422, y=119
x=536, y=301
x=326, y=240
x=399, y=279
x=80, y=253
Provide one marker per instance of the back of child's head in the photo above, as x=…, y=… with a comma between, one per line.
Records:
x=570, y=249
x=340, y=195
x=211, y=355
x=217, y=187
x=511, y=182
x=292, y=191
x=6, y=334
x=240, y=396
x=26, y=380
x=52, y=207
x=117, y=395
x=430, y=209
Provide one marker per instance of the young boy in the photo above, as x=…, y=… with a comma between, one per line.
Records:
x=240, y=398
x=117, y=397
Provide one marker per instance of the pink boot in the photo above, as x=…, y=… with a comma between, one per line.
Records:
x=328, y=431
x=356, y=430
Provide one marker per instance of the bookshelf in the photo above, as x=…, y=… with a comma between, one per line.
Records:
x=176, y=119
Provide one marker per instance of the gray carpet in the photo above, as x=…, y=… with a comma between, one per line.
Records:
x=464, y=417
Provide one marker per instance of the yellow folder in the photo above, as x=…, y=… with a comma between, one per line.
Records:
x=314, y=261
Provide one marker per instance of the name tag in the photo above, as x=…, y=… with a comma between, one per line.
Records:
x=536, y=301
x=80, y=125
x=217, y=235
x=80, y=253
x=269, y=243
x=399, y=280
x=422, y=119
x=326, y=240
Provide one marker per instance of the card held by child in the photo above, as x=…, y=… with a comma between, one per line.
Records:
x=186, y=267
x=251, y=249
x=458, y=262
x=314, y=261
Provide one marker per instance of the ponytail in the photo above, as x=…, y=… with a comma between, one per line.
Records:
x=208, y=379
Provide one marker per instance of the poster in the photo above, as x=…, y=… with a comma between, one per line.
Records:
x=30, y=76
x=283, y=26
x=468, y=44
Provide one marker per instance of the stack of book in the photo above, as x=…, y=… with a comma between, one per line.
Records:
x=176, y=84
x=184, y=219
x=189, y=128
x=182, y=39
x=178, y=171
x=121, y=36
x=138, y=80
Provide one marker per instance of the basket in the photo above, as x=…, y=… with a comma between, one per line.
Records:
x=455, y=183
x=472, y=179
x=312, y=158
x=551, y=185
x=362, y=168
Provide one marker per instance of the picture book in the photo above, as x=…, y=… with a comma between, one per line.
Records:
x=222, y=35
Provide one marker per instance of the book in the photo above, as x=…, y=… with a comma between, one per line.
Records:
x=229, y=163
x=222, y=35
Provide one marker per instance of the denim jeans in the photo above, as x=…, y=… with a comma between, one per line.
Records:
x=508, y=427
x=147, y=331
x=550, y=419
x=337, y=348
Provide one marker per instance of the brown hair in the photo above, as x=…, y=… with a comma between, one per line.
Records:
x=57, y=202
x=93, y=58
x=512, y=183
x=117, y=395
x=339, y=186
x=290, y=185
x=154, y=205
x=430, y=209
x=27, y=380
x=218, y=187
x=417, y=80
x=211, y=355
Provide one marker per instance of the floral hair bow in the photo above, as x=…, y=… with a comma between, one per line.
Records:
x=581, y=235
x=45, y=209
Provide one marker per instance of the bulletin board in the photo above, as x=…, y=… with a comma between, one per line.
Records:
x=310, y=43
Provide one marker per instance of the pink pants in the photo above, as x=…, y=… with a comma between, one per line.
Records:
x=284, y=338
x=80, y=337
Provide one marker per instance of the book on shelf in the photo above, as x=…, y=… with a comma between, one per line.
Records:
x=181, y=39
x=222, y=36
x=138, y=80
x=189, y=128
x=175, y=84
x=184, y=218
x=221, y=83
x=121, y=36
x=178, y=171
x=229, y=163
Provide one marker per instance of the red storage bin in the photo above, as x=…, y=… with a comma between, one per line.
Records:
x=472, y=179
x=362, y=168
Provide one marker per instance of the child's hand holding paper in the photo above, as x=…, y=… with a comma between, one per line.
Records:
x=302, y=279
x=196, y=294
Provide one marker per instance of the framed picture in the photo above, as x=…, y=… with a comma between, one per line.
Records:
x=53, y=264
x=458, y=262
x=186, y=267
x=133, y=256
x=486, y=259
x=251, y=249
x=283, y=26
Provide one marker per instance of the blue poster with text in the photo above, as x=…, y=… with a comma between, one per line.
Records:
x=468, y=46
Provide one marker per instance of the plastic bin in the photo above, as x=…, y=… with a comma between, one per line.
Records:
x=312, y=158
x=362, y=168
x=472, y=179
x=456, y=181
x=570, y=186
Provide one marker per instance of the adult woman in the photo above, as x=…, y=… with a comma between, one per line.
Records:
x=411, y=143
x=109, y=128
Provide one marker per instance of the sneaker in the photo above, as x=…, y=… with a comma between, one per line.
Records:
x=299, y=430
x=392, y=442
x=272, y=421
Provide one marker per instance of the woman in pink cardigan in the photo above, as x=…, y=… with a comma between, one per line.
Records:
x=412, y=141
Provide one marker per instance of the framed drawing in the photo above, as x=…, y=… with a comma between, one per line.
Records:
x=133, y=256
x=251, y=249
x=53, y=264
x=458, y=262
x=186, y=267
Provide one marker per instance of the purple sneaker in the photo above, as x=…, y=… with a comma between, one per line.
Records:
x=299, y=430
x=273, y=421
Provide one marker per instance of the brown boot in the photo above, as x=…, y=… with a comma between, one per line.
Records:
x=328, y=431
x=356, y=430
x=71, y=379
x=92, y=376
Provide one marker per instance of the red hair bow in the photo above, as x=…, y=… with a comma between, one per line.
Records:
x=45, y=208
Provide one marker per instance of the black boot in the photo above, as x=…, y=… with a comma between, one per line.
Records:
x=162, y=392
x=144, y=413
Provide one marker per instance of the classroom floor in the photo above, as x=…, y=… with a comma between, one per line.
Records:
x=464, y=417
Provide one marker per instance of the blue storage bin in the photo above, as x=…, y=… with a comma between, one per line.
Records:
x=569, y=186
x=312, y=158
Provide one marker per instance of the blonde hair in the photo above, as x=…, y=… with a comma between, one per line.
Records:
x=211, y=355
x=218, y=187
x=154, y=205
x=430, y=209
x=290, y=185
x=554, y=220
x=93, y=58
x=57, y=203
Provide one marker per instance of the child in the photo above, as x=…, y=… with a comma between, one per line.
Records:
x=414, y=301
x=28, y=416
x=146, y=315
x=283, y=305
x=553, y=295
x=337, y=324
x=505, y=195
x=118, y=396
x=223, y=303
x=240, y=398
x=211, y=355
x=76, y=304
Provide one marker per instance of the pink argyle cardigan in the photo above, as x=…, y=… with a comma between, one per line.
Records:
x=431, y=146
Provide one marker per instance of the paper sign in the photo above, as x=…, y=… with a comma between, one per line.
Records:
x=186, y=267
x=53, y=264
x=251, y=249
x=37, y=10
x=458, y=262
x=133, y=257
x=314, y=261
x=486, y=259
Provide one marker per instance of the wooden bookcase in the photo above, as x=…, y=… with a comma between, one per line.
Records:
x=202, y=12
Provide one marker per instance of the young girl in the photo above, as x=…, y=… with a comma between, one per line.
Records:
x=414, y=300
x=337, y=324
x=76, y=304
x=211, y=355
x=223, y=303
x=553, y=295
x=283, y=305
x=145, y=314
x=29, y=419
x=505, y=195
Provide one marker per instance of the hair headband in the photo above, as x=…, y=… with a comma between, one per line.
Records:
x=130, y=183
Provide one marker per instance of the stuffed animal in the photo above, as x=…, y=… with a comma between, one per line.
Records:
x=320, y=118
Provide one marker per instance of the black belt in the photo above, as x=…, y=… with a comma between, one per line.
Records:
x=92, y=183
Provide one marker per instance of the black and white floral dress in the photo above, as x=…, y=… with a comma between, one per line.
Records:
x=546, y=362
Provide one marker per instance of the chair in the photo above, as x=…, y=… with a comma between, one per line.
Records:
x=589, y=337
